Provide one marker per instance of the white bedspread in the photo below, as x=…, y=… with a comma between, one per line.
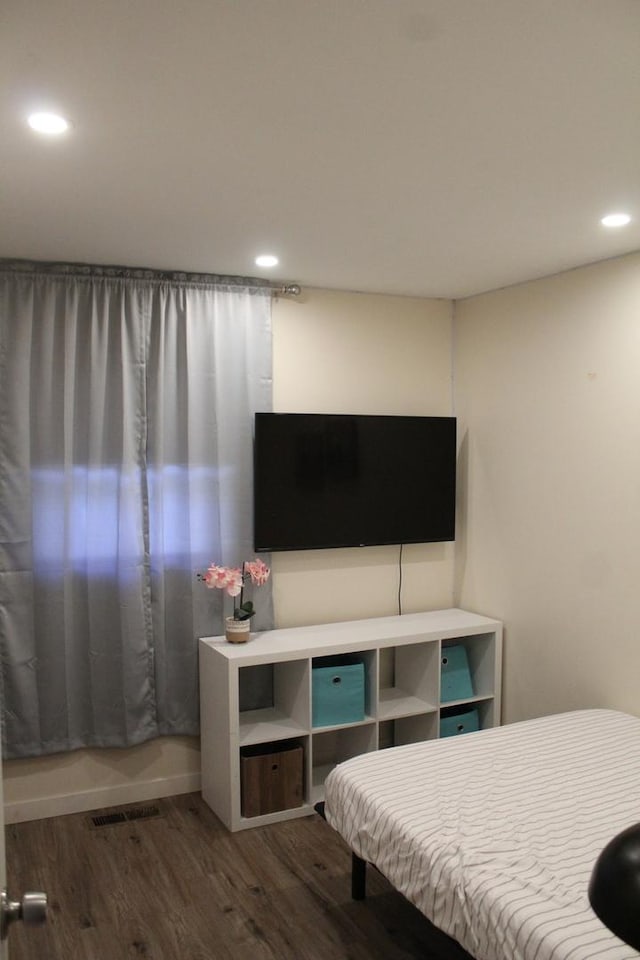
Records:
x=493, y=835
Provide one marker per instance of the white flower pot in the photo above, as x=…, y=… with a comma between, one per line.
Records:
x=237, y=631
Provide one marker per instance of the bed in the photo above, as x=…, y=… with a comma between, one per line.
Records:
x=493, y=835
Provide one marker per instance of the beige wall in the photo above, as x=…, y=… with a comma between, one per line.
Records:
x=333, y=352
x=356, y=353
x=547, y=391
x=89, y=779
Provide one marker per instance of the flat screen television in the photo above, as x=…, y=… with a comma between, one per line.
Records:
x=334, y=480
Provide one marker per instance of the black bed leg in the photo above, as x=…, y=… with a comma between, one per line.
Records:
x=358, y=877
x=358, y=866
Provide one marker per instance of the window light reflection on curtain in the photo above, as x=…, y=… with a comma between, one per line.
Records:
x=91, y=523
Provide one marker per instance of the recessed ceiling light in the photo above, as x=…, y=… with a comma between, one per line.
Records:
x=616, y=220
x=48, y=123
x=266, y=260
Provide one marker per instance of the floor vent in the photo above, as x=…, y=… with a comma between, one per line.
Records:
x=106, y=819
x=124, y=816
x=142, y=813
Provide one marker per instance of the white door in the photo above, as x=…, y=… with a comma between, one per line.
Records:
x=32, y=908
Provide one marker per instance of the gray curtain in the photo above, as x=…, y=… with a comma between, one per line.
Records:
x=126, y=412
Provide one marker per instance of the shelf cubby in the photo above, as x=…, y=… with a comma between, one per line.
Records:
x=288, y=714
x=481, y=654
x=334, y=746
x=411, y=729
x=414, y=681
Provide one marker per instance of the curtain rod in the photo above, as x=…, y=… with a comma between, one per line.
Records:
x=65, y=268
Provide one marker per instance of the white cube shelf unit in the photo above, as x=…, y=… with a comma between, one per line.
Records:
x=402, y=656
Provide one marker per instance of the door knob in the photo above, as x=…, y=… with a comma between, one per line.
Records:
x=32, y=909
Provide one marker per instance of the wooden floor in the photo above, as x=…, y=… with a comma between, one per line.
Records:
x=179, y=886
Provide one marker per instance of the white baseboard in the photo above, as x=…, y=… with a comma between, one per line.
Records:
x=135, y=792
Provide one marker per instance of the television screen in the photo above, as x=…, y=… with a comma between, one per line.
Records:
x=333, y=480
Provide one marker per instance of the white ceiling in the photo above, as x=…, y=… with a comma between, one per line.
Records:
x=423, y=147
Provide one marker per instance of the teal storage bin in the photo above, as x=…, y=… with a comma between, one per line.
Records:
x=458, y=723
x=337, y=692
x=455, y=677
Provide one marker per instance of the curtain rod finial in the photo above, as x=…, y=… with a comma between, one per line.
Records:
x=290, y=290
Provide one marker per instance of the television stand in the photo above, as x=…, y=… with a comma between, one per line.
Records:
x=401, y=656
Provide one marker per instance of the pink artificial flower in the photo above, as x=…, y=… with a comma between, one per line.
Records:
x=258, y=571
x=224, y=578
x=232, y=579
